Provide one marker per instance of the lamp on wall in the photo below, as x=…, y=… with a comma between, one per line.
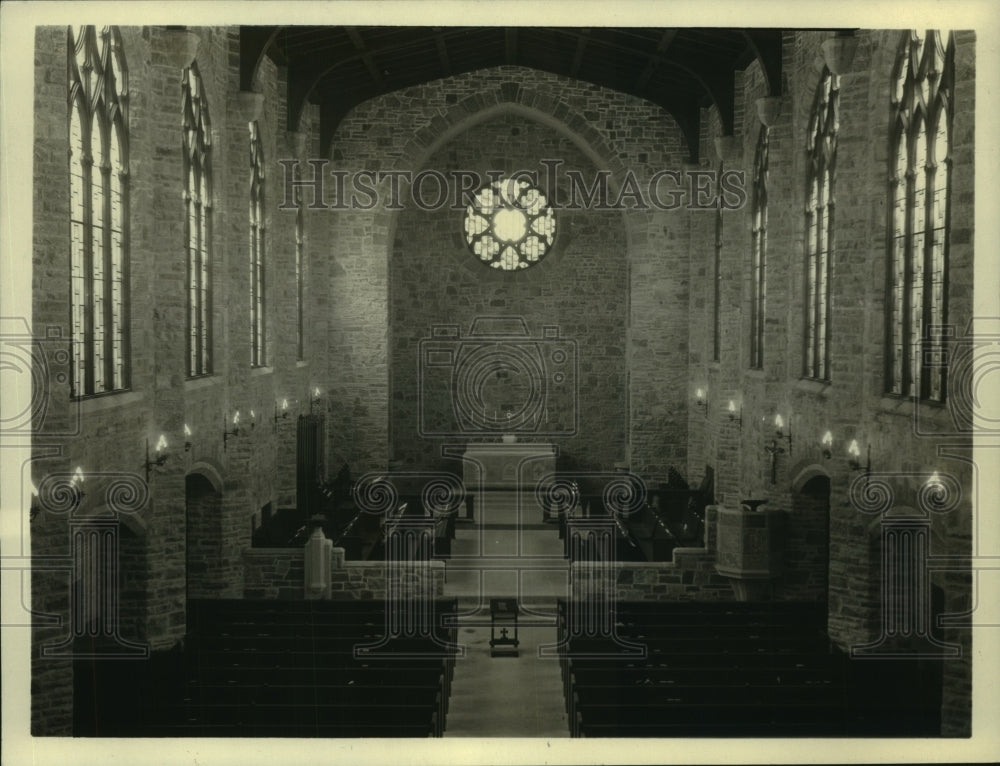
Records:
x=187, y=438
x=701, y=400
x=161, y=455
x=314, y=399
x=827, y=442
x=783, y=431
x=280, y=412
x=226, y=433
x=733, y=415
x=854, y=458
x=77, y=482
x=34, y=508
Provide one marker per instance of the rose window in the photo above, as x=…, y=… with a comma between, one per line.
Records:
x=509, y=225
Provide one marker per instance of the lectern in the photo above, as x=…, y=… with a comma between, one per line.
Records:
x=503, y=616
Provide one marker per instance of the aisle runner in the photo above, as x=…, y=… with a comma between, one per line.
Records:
x=506, y=696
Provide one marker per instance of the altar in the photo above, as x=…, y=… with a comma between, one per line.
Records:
x=516, y=466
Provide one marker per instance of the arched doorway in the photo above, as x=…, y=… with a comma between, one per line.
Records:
x=204, y=565
x=808, y=543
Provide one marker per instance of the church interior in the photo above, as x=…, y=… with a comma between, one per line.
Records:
x=388, y=370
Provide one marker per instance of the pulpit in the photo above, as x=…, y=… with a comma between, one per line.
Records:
x=749, y=548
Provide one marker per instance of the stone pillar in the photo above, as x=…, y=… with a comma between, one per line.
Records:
x=162, y=247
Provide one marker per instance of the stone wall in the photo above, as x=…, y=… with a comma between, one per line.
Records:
x=851, y=404
x=691, y=575
x=106, y=436
x=279, y=573
x=579, y=288
x=438, y=123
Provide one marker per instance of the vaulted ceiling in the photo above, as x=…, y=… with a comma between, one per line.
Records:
x=681, y=70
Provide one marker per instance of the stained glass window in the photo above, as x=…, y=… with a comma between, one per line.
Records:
x=920, y=169
x=198, y=201
x=822, y=159
x=98, y=158
x=717, y=284
x=257, y=283
x=758, y=251
x=299, y=276
x=509, y=225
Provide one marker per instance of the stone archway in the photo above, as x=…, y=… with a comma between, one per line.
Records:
x=808, y=543
x=571, y=306
x=204, y=533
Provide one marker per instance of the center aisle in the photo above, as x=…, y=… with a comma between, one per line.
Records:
x=509, y=552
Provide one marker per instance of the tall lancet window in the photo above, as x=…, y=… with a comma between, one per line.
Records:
x=822, y=159
x=758, y=251
x=257, y=275
x=300, y=244
x=717, y=283
x=98, y=163
x=920, y=170
x=198, y=235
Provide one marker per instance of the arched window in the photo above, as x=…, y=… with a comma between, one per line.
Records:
x=300, y=244
x=198, y=201
x=717, y=283
x=98, y=159
x=758, y=265
x=822, y=159
x=257, y=282
x=920, y=170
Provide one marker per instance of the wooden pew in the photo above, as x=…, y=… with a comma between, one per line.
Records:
x=709, y=669
x=291, y=668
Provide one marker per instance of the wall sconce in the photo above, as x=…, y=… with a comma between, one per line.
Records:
x=781, y=432
x=253, y=418
x=733, y=414
x=827, y=442
x=854, y=459
x=773, y=449
x=281, y=411
x=235, y=432
x=701, y=400
x=161, y=455
x=187, y=438
x=314, y=399
x=34, y=508
x=77, y=482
